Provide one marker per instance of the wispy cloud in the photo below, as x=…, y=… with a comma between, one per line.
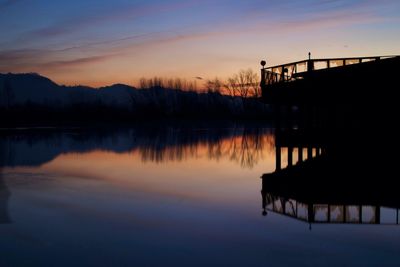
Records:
x=302, y=17
x=327, y=20
x=114, y=36
x=118, y=14
x=21, y=60
x=76, y=62
x=144, y=43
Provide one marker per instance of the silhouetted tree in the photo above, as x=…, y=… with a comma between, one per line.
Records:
x=244, y=84
x=170, y=83
x=143, y=83
x=214, y=86
x=230, y=86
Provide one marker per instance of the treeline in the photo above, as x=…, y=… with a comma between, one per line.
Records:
x=153, y=103
x=245, y=83
x=120, y=103
x=168, y=83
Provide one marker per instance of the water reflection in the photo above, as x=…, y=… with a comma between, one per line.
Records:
x=325, y=184
x=245, y=146
x=330, y=213
x=4, y=196
x=156, y=197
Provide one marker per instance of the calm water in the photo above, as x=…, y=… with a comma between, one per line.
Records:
x=169, y=197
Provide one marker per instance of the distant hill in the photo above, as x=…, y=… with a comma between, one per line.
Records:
x=20, y=89
x=31, y=97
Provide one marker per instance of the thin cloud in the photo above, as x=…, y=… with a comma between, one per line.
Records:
x=304, y=18
x=20, y=60
x=76, y=62
x=329, y=20
x=118, y=14
x=137, y=37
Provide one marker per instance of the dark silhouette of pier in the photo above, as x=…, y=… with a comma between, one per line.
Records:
x=331, y=178
x=335, y=92
x=331, y=80
x=335, y=125
x=329, y=212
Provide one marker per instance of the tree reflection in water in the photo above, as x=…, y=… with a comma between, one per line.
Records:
x=243, y=145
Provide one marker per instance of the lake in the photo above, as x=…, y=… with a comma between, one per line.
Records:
x=169, y=196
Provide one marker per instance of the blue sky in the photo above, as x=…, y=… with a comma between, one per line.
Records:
x=98, y=42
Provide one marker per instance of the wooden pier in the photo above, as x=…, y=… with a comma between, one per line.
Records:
x=330, y=80
x=335, y=123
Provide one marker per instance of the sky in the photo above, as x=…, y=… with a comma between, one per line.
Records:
x=99, y=42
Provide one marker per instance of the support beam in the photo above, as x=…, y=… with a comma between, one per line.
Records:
x=278, y=158
x=309, y=152
x=300, y=151
x=290, y=156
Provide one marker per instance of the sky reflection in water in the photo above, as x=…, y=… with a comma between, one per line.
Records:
x=174, y=196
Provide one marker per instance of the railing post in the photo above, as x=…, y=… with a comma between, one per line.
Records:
x=377, y=214
x=262, y=83
x=310, y=65
x=309, y=152
x=300, y=151
x=278, y=158
x=290, y=156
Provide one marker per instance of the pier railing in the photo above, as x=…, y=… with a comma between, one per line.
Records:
x=297, y=70
x=328, y=213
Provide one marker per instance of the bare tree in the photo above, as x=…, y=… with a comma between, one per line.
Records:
x=214, y=85
x=143, y=83
x=245, y=84
x=230, y=86
x=178, y=84
x=192, y=86
x=170, y=83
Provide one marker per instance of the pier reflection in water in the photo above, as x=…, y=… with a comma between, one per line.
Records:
x=323, y=184
x=165, y=196
x=330, y=213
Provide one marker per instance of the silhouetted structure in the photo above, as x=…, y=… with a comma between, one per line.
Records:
x=334, y=212
x=333, y=184
x=334, y=92
x=337, y=80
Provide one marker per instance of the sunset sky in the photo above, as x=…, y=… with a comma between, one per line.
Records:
x=99, y=42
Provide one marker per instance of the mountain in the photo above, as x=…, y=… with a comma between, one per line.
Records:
x=17, y=89
x=20, y=89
